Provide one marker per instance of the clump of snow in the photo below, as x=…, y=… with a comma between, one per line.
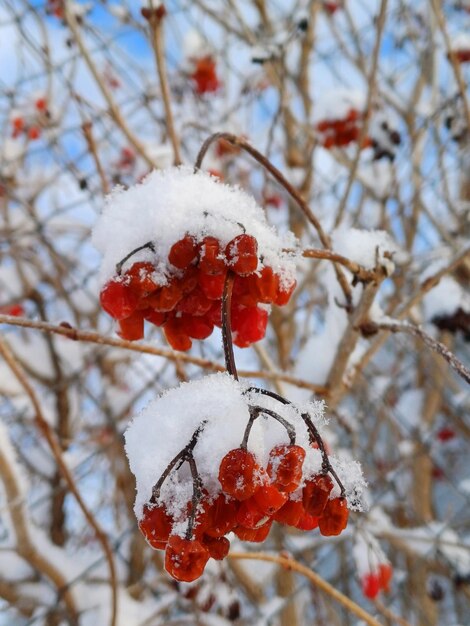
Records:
x=460, y=41
x=366, y=247
x=220, y=406
x=170, y=203
x=337, y=103
x=445, y=299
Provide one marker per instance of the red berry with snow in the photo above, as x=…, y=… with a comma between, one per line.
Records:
x=285, y=467
x=242, y=254
x=185, y=559
x=237, y=474
x=316, y=493
x=335, y=517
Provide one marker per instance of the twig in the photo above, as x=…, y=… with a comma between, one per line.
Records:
x=291, y=190
x=361, y=274
x=396, y=326
x=88, y=134
x=227, y=325
x=54, y=446
x=25, y=545
x=156, y=28
x=92, y=337
x=292, y=564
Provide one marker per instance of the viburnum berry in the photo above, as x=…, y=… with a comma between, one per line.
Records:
x=370, y=585
x=267, y=286
x=242, y=254
x=196, y=327
x=218, y=546
x=141, y=279
x=285, y=467
x=195, y=303
x=183, y=252
x=34, y=132
x=176, y=337
x=269, y=499
x=154, y=317
x=132, y=328
x=249, y=515
x=307, y=522
x=237, y=474
x=211, y=260
x=205, y=76
x=290, y=513
x=316, y=493
x=255, y=535
x=185, y=559
x=167, y=298
x=222, y=516
x=385, y=576
x=335, y=517
x=118, y=299
x=248, y=325
x=284, y=291
x=155, y=525
x=212, y=285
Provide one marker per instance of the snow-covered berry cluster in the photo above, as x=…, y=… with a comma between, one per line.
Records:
x=201, y=232
x=339, y=119
x=236, y=459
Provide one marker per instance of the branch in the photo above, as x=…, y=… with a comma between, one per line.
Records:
x=396, y=326
x=55, y=448
x=88, y=336
x=291, y=564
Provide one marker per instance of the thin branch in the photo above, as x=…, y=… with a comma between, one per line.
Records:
x=227, y=325
x=55, y=448
x=291, y=564
x=396, y=326
x=87, y=336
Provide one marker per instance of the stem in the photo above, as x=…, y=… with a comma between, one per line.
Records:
x=227, y=325
x=289, y=428
x=148, y=245
x=197, y=493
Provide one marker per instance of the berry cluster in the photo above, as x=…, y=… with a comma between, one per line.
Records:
x=379, y=580
x=29, y=121
x=204, y=75
x=249, y=499
x=188, y=305
x=341, y=132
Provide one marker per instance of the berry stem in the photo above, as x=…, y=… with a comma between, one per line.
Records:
x=197, y=494
x=313, y=433
x=255, y=412
x=148, y=245
x=227, y=325
x=186, y=454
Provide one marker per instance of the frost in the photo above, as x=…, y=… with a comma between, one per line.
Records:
x=172, y=202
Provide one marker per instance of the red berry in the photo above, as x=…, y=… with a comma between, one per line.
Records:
x=41, y=104
x=267, y=286
x=167, y=298
x=315, y=494
x=307, y=522
x=284, y=291
x=132, y=328
x=248, y=325
x=335, y=517
x=370, y=585
x=196, y=327
x=195, y=303
x=255, y=535
x=237, y=474
x=211, y=260
x=34, y=132
x=155, y=525
x=185, y=559
x=118, y=299
x=250, y=516
x=290, y=513
x=175, y=335
x=154, y=317
x=18, y=123
x=218, y=546
x=285, y=467
x=214, y=314
x=222, y=516
x=205, y=76
x=189, y=281
x=141, y=279
x=269, y=499
x=183, y=252
x=385, y=576
x=212, y=285
x=242, y=254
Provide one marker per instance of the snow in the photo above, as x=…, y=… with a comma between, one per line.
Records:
x=366, y=247
x=445, y=298
x=221, y=403
x=170, y=203
x=460, y=41
x=336, y=104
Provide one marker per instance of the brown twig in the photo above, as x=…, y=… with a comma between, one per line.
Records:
x=227, y=325
x=396, y=326
x=55, y=448
x=318, y=581
x=92, y=337
x=87, y=129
